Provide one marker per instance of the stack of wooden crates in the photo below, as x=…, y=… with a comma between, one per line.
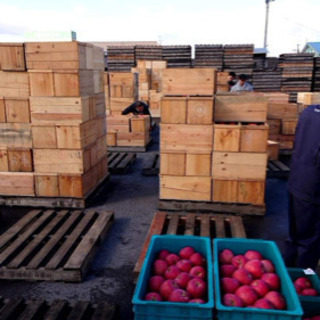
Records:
x=54, y=119
x=213, y=147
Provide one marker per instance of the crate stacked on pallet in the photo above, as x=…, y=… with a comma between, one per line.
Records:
x=107, y=92
x=177, y=56
x=209, y=56
x=16, y=165
x=222, y=82
x=120, y=58
x=68, y=118
x=316, y=75
x=266, y=81
x=240, y=149
x=305, y=99
x=123, y=90
x=238, y=58
x=148, y=52
x=186, y=134
x=128, y=131
x=297, y=72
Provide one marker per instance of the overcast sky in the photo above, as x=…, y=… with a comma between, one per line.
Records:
x=292, y=23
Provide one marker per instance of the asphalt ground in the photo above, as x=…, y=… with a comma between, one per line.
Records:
x=133, y=197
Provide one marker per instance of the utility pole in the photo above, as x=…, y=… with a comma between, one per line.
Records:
x=266, y=25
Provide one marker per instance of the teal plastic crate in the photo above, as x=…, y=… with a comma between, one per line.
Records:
x=164, y=310
x=310, y=308
x=270, y=251
x=295, y=273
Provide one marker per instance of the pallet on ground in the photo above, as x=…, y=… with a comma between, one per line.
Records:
x=180, y=223
x=53, y=245
x=119, y=162
x=277, y=169
x=152, y=165
x=19, y=308
x=206, y=206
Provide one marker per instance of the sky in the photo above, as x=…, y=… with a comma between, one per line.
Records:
x=292, y=23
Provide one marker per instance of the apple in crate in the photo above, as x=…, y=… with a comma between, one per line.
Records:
x=243, y=276
x=198, y=300
x=255, y=267
x=260, y=287
x=197, y=288
x=153, y=296
x=172, y=258
x=163, y=253
x=155, y=282
x=227, y=270
x=167, y=287
x=268, y=266
x=182, y=279
x=184, y=265
x=263, y=304
x=309, y=292
x=253, y=254
x=247, y=295
x=179, y=295
x=229, y=285
x=272, y=279
x=239, y=261
x=231, y=300
x=197, y=259
x=226, y=256
x=277, y=299
x=186, y=252
x=198, y=272
x=159, y=267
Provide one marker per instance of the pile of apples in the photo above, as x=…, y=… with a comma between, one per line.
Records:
x=304, y=287
x=249, y=280
x=313, y=318
x=178, y=277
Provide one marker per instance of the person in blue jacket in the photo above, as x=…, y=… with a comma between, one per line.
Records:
x=303, y=245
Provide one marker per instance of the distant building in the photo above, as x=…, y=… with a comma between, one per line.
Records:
x=312, y=47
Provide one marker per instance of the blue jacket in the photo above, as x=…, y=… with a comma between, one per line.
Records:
x=304, y=179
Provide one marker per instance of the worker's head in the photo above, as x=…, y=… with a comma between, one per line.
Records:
x=232, y=75
x=242, y=79
x=139, y=106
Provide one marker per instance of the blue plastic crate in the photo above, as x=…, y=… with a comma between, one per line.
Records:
x=270, y=251
x=295, y=273
x=310, y=308
x=164, y=310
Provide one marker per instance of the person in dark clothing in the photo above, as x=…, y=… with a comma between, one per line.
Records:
x=231, y=79
x=303, y=245
x=138, y=107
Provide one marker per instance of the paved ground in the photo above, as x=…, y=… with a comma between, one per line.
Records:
x=133, y=198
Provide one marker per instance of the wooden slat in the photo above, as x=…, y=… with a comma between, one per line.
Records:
x=23, y=237
x=281, y=165
x=190, y=224
x=63, y=250
x=17, y=261
x=205, y=225
x=173, y=224
x=84, y=248
x=9, y=311
x=237, y=228
x=78, y=311
x=56, y=310
x=220, y=229
x=112, y=156
x=17, y=227
x=40, y=256
x=32, y=310
x=104, y=311
x=272, y=167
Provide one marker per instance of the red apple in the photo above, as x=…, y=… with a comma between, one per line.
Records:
x=252, y=255
x=198, y=300
x=303, y=282
x=260, y=286
x=227, y=270
x=263, y=304
x=229, y=285
x=247, y=295
x=162, y=254
x=198, y=272
x=184, y=265
x=172, y=258
x=172, y=272
x=167, y=287
x=277, y=299
x=316, y=317
x=197, y=259
x=182, y=279
x=243, y=276
x=298, y=288
x=239, y=261
x=255, y=267
x=179, y=295
x=272, y=280
x=309, y=292
x=231, y=300
x=186, y=252
x=159, y=267
x=155, y=283
x=153, y=296
x=268, y=266
x=197, y=288
x=225, y=256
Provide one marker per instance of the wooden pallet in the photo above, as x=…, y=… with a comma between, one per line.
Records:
x=19, y=308
x=204, y=225
x=277, y=169
x=52, y=245
x=152, y=165
x=130, y=149
x=219, y=207
x=119, y=162
x=53, y=202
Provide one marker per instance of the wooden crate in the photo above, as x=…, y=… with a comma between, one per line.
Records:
x=17, y=184
x=254, y=138
x=288, y=126
x=308, y=98
x=4, y=163
x=174, y=110
x=117, y=105
x=227, y=137
x=14, y=85
x=239, y=166
x=282, y=110
x=274, y=126
x=185, y=188
x=17, y=110
x=185, y=138
x=46, y=184
x=15, y=135
x=12, y=57
x=140, y=123
x=240, y=107
x=123, y=85
x=18, y=308
x=132, y=139
x=179, y=223
x=200, y=110
x=185, y=81
x=273, y=150
x=72, y=83
x=53, y=245
x=20, y=160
